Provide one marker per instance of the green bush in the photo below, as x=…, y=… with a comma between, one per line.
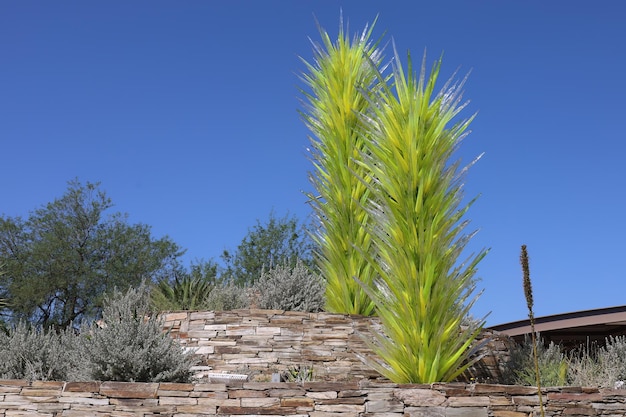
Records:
x=129, y=344
x=553, y=365
x=290, y=288
x=184, y=293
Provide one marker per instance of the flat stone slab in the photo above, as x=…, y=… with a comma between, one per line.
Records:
x=129, y=389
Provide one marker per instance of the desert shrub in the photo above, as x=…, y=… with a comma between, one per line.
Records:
x=585, y=368
x=599, y=366
x=612, y=358
x=126, y=345
x=129, y=344
x=225, y=297
x=36, y=354
x=553, y=365
x=290, y=288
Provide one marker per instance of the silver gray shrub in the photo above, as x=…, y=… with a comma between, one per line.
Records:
x=225, y=297
x=290, y=288
x=129, y=344
x=603, y=366
x=35, y=354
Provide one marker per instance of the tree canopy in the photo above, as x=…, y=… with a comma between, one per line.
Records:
x=67, y=255
x=280, y=241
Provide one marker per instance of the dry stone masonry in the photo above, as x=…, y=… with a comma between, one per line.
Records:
x=309, y=399
x=262, y=342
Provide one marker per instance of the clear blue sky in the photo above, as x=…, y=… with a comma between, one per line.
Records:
x=186, y=112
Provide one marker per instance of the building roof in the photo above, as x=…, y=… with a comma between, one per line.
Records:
x=571, y=329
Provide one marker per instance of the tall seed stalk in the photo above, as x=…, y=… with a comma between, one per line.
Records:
x=528, y=293
x=337, y=79
x=423, y=292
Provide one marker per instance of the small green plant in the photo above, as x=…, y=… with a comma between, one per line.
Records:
x=298, y=373
x=129, y=344
x=184, y=293
x=290, y=288
x=551, y=360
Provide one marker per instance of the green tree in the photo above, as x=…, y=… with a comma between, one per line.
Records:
x=3, y=301
x=339, y=80
x=4, y=305
x=277, y=242
x=67, y=255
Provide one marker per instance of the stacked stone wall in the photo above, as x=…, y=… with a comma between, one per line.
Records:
x=263, y=342
x=315, y=399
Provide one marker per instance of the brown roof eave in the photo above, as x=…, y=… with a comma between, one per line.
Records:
x=603, y=316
